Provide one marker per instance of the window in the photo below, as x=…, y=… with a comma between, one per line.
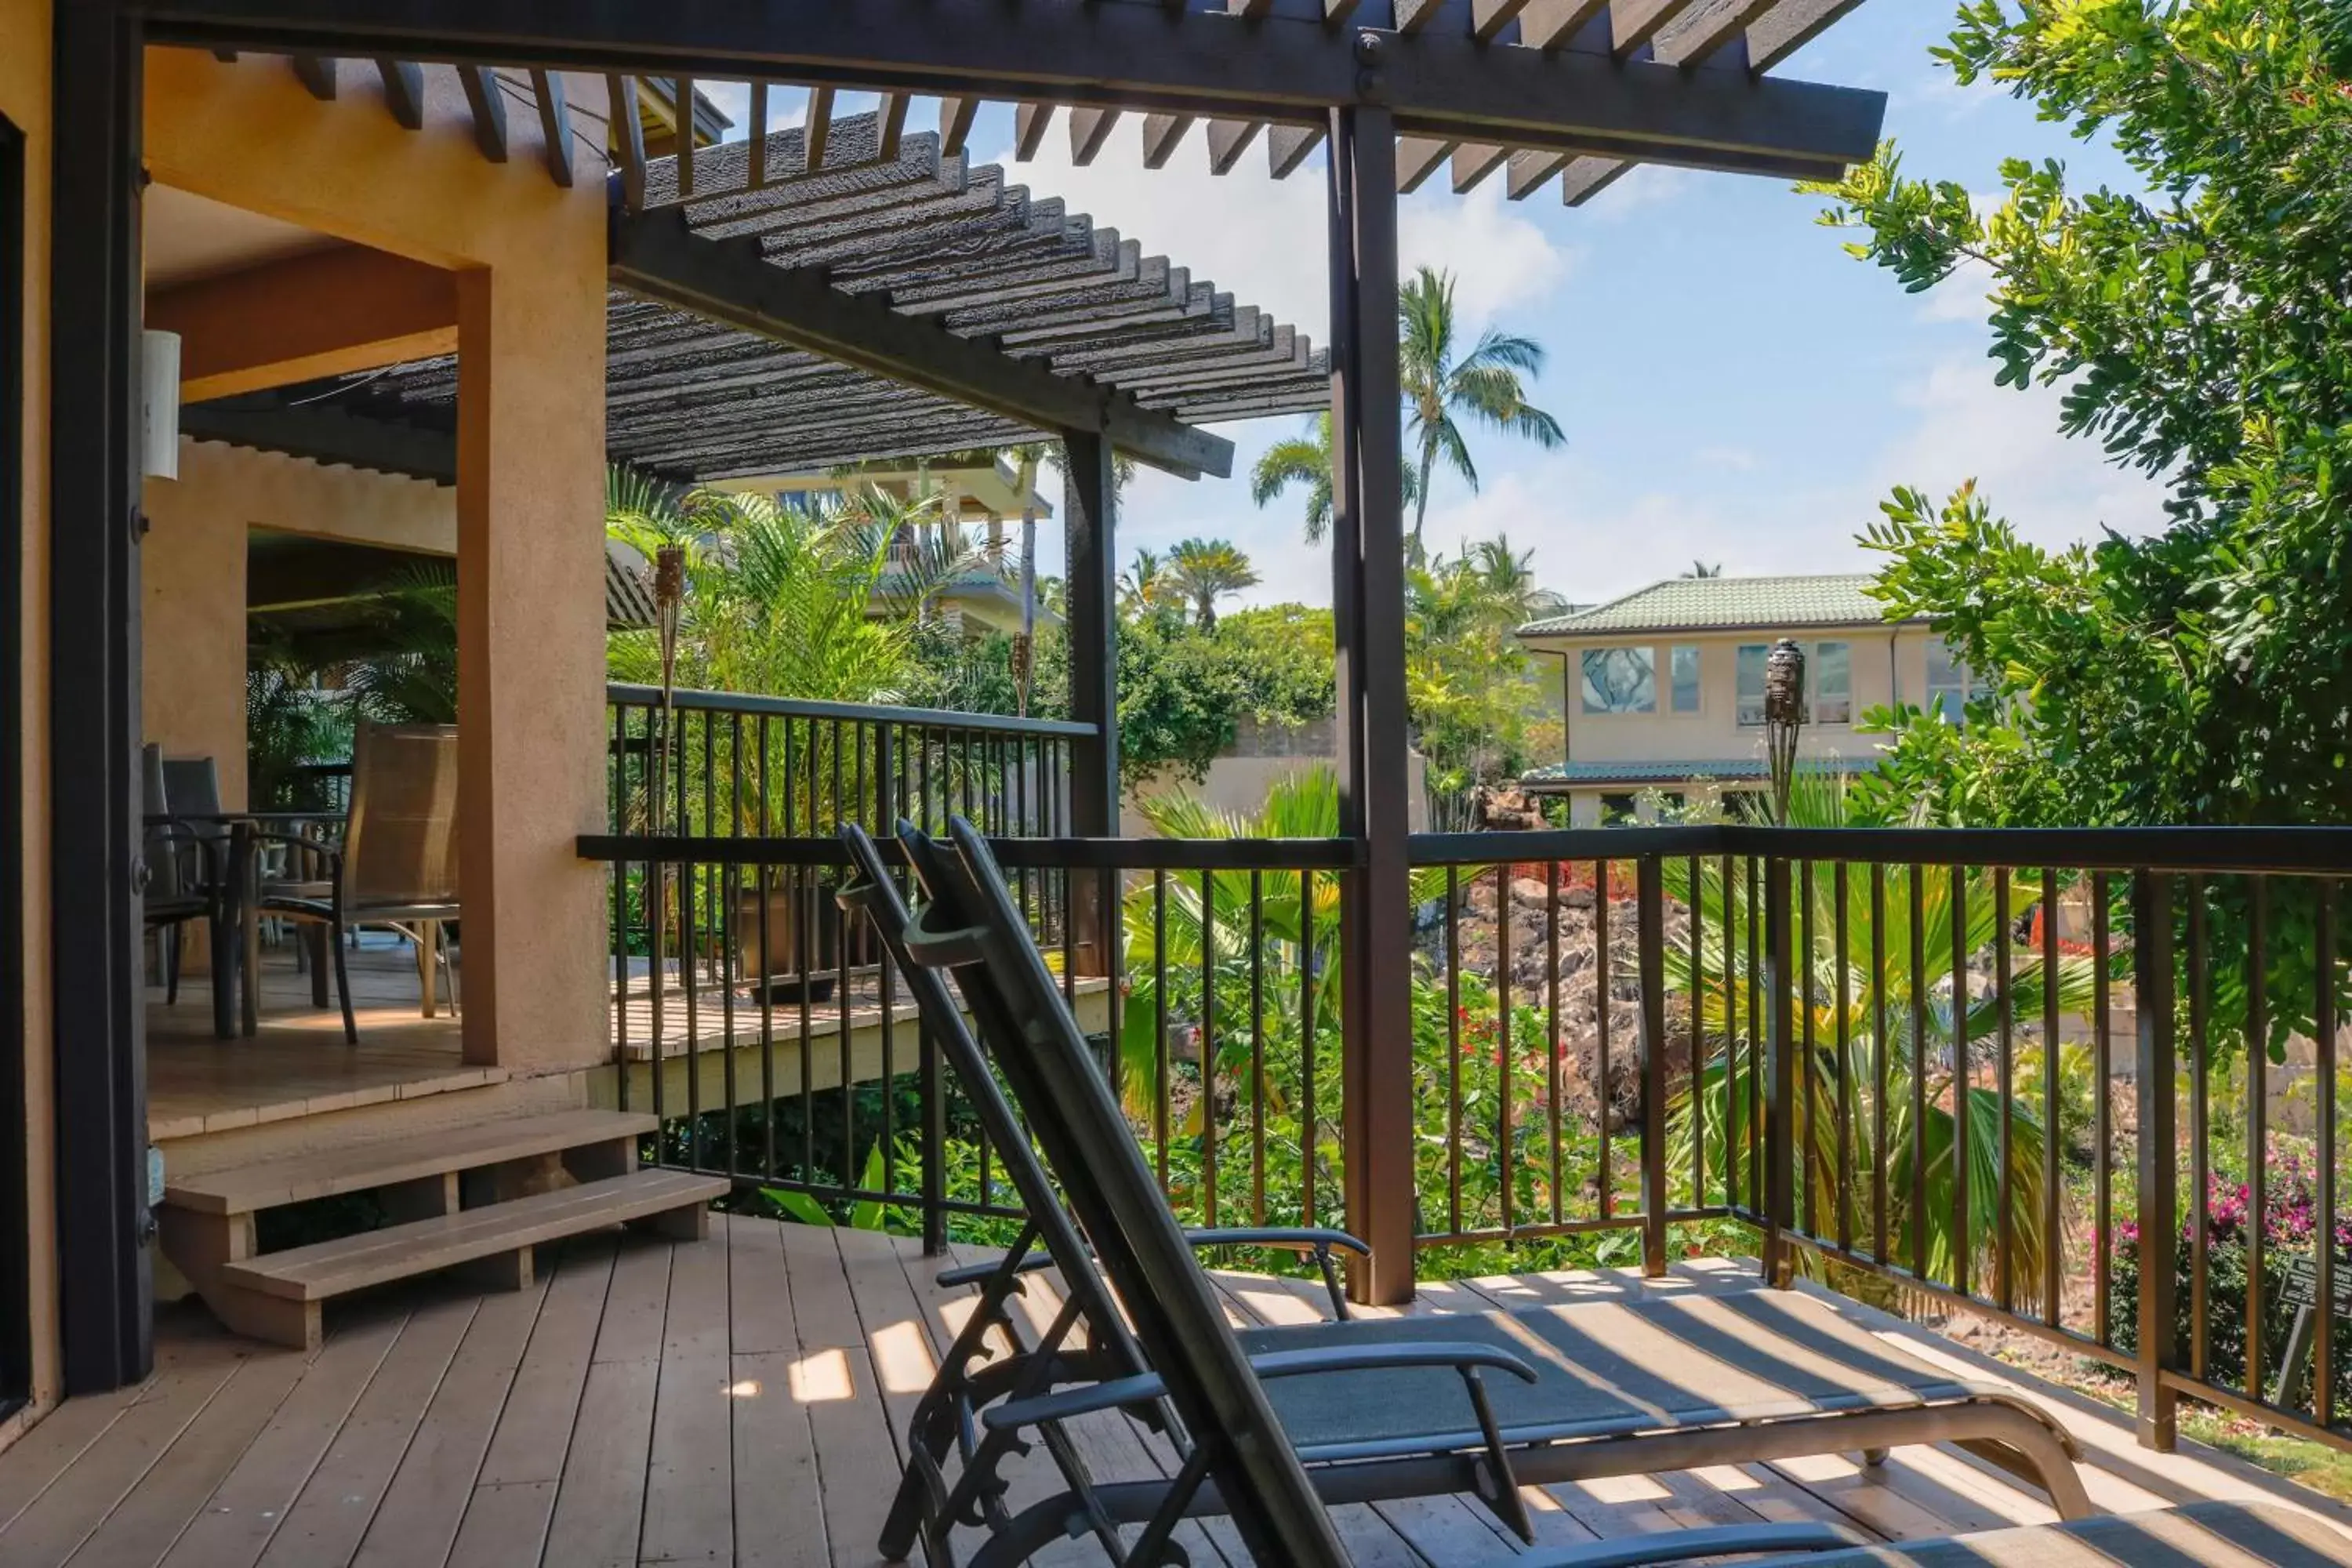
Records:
x=1620, y=681
x=1682, y=662
x=1949, y=685
x=1831, y=664
x=1749, y=703
x=1829, y=670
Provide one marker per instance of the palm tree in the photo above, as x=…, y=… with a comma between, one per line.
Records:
x=1144, y=585
x=1483, y=385
x=1307, y=459
x=1879, y=984
x=1206, y=570
x=1705, y=569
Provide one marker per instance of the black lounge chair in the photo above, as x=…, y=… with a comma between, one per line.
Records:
x=1373, y=1409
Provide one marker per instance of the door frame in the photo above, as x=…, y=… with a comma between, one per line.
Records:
x=15, y=1236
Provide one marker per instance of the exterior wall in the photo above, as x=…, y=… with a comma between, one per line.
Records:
x=1238, y=787
x=24, y=100
x=192, y=657
x=1886, y=662
x=529, y=261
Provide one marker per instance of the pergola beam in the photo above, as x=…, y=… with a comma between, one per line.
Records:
x=658, y=256
x=1288, y=65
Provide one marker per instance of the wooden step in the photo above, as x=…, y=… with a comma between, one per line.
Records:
x=277, y=1296
x=364, y=1167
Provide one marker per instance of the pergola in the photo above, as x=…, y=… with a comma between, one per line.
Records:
x=876, y=308
x=1546, y=93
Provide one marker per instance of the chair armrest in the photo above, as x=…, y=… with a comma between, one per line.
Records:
x=1285, y=1238
x=1122, y=1392
x=1682, y=1546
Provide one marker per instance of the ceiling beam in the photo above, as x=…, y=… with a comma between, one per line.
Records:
x=1440, y=82
x=555, y=124
x=487, y=102
x=330, y=312
x=657, y=254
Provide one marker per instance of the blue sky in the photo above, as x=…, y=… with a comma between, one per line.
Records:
x=1733, y=386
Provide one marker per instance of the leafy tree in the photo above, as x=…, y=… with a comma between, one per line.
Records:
x=2202, y=333
x=1470, y=682
x=1444, y=385
x=1307, y=461
x=1205, y=571
x=1145, y=586
x=1705, y=569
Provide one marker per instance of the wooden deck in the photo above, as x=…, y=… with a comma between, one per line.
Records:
x=735, y=1401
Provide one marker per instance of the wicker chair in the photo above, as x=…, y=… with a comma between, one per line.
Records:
x=397, y=863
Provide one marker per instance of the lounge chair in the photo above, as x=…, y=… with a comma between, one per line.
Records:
x=1282, y=1422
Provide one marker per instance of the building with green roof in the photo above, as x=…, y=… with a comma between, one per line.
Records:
x=1664, y=688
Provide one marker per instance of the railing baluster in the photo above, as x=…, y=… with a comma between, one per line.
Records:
x=1257, y=1045
x=1735, y=1158
x=1915, y=880
x=1453, y=1051
x=1698, y=912
x=1962, y=1243
x=1309, y=1110
x=2159, y=1213
x=2200, y=1170
x=1757, y=1088
x=2257, y=1118
x=1841, y=920
x=2102, y=1175
x=2324, y=1071
x=1160, y=1067
x=1608, y=1182
x=2053, y=1239
x=1506, y=1166
x=1209, y=1047
x=1806, y=1124
x=2004, y=1198
x=1881, y=1083
x=1551, y=1026
x=1651, y=889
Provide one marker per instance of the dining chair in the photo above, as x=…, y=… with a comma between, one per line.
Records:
x=397, y=863
x=182, y=866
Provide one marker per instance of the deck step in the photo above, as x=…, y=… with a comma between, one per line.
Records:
x=364, y=1167
x=277, y=1296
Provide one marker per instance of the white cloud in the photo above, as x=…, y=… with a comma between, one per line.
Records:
x=1739, y=459
x=1499, y=258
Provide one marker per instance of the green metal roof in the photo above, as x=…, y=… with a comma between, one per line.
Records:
x=1724, y=603
x=1731, y=770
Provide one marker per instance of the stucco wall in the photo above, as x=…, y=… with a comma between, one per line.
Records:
x=528, y=260
x=24, y=100
x=192, y=657
x=1885, y=661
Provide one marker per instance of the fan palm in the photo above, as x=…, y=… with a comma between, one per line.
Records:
x=1291, y=909
x=1205, y=571
x=1307, y=461
x=1443, y=386
x=1851, y=989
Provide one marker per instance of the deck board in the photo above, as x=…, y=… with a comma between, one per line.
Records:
x=742, y=1400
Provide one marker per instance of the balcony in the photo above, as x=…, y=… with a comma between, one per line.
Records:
x=738, y=1400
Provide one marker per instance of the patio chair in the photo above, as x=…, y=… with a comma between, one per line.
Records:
x=183, y=858
x=1089, y=1338
x=1363, y=1411
x=397, y=863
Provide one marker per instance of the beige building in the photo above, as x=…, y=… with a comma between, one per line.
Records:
x=1663, y=688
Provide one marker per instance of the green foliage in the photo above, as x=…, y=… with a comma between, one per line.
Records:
x=1471, y=686
x=2202, y=333
x=778, y=598
x=1182, y=687
x=414, y=678
x=288, y=722
x=1307, y=461
x=1847, y=991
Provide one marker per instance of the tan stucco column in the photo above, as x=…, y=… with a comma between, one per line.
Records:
x=531, y=662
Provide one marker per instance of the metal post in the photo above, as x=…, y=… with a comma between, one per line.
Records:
x=2160, y=1223
x=1780, y=1071
x=1650, y=892
x=1089, y=521
x=104, y=1262
x=1368, y=579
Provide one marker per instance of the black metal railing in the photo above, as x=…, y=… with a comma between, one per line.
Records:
x=2083, y=1082
x=735, y=766
x=795, y=1062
